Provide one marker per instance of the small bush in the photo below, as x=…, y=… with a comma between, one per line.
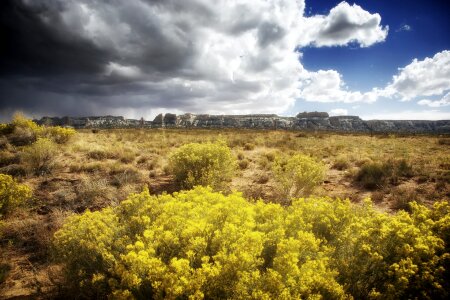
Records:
x=401, y=198
x=12, y=193
x=341, y=163
x=22, y=136
x=20, y=121
x=240, y=155
x=264, y=163
x=377, y=197
x=127, y=157
x=8, y=158
x=372, y=175
x=125, y=177
x=403, y=168
x=59, y=135
x=243, y=164
x=270, y=156
x=39, y=158
x=202, y=164
x=98, y=154
x=376, y=175
x=297, y=175
x=24, y=132
x=15, y=170
x=249, y=146
x=262, y=179
x=90, y=191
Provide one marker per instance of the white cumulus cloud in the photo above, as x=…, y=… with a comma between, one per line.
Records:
x=343, y=25
x=445, y=101
x=328, y=86
x=422, y=78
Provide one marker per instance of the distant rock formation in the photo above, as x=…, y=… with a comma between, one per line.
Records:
x=314, y=114
x=319, y=121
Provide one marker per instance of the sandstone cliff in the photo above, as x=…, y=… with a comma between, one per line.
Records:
x=303, y=121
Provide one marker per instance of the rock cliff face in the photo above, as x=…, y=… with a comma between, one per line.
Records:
x=303, y=121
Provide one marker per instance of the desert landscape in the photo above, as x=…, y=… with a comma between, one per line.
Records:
x=71, y=173
x=227, y=149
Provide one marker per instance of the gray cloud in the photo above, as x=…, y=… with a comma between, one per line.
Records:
x=138, y=57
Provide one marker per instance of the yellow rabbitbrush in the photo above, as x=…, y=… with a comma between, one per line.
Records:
x=202, y=164
x=12, y=193
x=200, y=244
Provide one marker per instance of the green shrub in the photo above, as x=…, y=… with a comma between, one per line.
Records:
x=39, y=158
x=12, y=193
x=202, y=164
x=372, y=175
x=297, y=175
x=376, y=175
x=203, y=245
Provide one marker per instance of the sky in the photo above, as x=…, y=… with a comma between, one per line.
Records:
x=137, y=58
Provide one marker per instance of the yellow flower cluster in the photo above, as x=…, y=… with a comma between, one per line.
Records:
x=57, y=134
x=202, y=164
x=11, y=193
x=200, y=244
x=297, y=175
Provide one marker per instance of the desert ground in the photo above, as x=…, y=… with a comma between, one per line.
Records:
x=95, y=169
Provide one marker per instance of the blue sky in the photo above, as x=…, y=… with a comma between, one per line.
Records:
x=417, y=29
x=428, y=33
x=138, y=58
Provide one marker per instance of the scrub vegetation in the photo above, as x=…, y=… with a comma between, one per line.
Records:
x=222, y=214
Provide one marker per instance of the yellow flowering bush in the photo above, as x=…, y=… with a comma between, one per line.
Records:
x=59, y=135
x=195, y=244
x=11, y=193
x=297, y=175
x=199, y=244
x=23, y=131
x=202, y=164
x=20, y=121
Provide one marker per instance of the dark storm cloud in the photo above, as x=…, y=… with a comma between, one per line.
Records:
x=136, y=57
x=30, y=46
